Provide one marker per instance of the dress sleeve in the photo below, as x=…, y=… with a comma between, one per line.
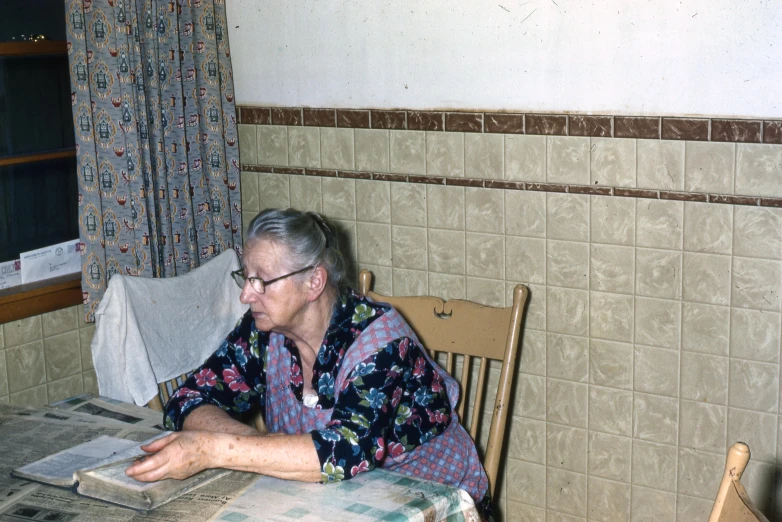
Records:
x=394, y=401
x=233, y=378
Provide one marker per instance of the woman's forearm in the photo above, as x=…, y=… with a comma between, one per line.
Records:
x=213, y=418
x=291, y=457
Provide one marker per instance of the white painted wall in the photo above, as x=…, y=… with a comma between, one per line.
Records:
x=676, y=57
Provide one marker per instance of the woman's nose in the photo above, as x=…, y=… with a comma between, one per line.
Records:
x=248, y=295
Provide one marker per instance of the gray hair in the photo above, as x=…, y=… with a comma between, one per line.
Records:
x=308, y=238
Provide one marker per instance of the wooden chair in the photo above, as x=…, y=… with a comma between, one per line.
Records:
x=465, y=329
x=732, y=503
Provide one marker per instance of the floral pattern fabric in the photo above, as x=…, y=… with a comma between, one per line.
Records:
x=391, y=403
x=156, y=139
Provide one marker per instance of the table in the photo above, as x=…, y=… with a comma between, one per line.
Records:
x=239, y=497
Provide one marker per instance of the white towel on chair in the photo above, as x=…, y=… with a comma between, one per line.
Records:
x=152, y=330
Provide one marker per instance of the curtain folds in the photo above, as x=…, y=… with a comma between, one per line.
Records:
x=156, y=138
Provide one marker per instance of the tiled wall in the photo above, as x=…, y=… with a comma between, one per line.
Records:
x=46, y=358
x=652, y=339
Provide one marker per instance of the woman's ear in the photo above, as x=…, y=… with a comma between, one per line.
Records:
x=317, y=283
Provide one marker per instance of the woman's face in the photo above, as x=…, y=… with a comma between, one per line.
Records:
x=278, y=307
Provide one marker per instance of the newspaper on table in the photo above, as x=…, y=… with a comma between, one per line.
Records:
x=30, y=434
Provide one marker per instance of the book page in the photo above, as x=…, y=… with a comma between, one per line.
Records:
x=59, y=468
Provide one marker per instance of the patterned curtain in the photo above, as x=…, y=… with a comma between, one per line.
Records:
x=157, y=155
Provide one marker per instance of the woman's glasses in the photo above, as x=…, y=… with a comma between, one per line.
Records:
x=258, y=284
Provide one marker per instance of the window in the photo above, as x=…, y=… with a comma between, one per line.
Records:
x=38, y=187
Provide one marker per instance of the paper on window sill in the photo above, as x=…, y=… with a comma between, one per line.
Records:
x=10, y=274
x=52, y=261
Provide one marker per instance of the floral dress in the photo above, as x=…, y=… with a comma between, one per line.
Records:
x=392, y=402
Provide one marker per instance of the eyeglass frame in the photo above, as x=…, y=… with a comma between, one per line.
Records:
x=240, y=273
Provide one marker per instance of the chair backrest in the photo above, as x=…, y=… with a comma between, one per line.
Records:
x=465, y=330
x=732, y=503
x=165, y=390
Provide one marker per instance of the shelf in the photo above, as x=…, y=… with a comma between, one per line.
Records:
x=41, y=297
x=38, y=156
x=42, y=47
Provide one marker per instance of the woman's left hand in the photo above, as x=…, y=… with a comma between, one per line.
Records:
x=178, y=456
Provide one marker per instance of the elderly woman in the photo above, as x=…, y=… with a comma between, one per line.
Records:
x=342, y=382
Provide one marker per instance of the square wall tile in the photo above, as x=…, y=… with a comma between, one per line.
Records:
x=408, y=247
x=272, y=145
x=567, y=216
x=25, y=366
x=758, y=169
x=753, y=385
x=760, y=480
x=483, y=156
x=566, y=491
x=608, y=500
x=30, y=397
x=533, y=352
x=700, y=472
x=704, y=378
x=659, y=224
x=709, y=167
x=488, y=292
x=372, y=150
x=527, y=440
x=706, y=278
x=304, y=147
x=408, y=204
x=248, y=144
x=610, y=411
x=59, y=321
x=90, y=382
x=64, y=388
x=339, y=198
x=273, y=191
x=655, y=418
x=656, y=371
x=525, y=259
x=337, y=149
x=526, y=482
x=757, y=430
x=612, y=269
x=758, y=232
x=518, y=512
x=654, y=465
x=410, y=282
x=306, y=193
x=445, y=207
x=660, y=164
x=657, y=322
x=446, y=251
x=567, y=160
x=754, y=334
x=705, y=328
x=408, y=152
x=566, y=448
x=22, y=331
x=373, y=244
x=609, y=456
x=611, y=316
x=447, y=286
x=703, y=426
x=567, y=311
x=85, y=340
x=249, y=184
x=525, y=158
x=536, y=307
x=611, y=364
x=484, y=210
x=567, y=264
x=708, y=228
x=613, y=162
x=691, y=508
x=658, y=273
x=62, y=354
x=566, y=403
x=485, y=255
x=445, y=154
x=529, y=399
x=756, y=283
x=373, y=201
x=652, y=504
x=612, y=220
x=567, y=357
x=3, y=375
x=525, y=213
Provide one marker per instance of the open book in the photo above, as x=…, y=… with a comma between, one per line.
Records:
x=97, y=469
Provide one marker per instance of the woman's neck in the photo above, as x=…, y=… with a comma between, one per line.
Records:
x=310, y=330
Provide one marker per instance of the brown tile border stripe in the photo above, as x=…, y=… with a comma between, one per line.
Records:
x=640, y=127
x=728, y=199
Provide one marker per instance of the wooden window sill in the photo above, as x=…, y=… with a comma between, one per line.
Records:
x=20, y=302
